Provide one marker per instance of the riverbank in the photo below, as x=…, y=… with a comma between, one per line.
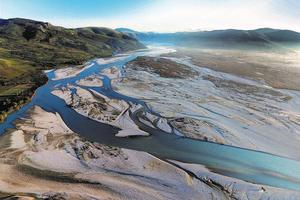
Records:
x=12, y=99
x=29, y=47
x=83, y=170
x=98, y=107
x=215, y=106
x=43, y=158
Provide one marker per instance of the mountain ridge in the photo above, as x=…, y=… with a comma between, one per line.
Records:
x=265, y=38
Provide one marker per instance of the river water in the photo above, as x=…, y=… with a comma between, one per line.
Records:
x=249, y=165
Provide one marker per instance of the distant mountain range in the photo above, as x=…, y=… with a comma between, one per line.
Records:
x=230, y=38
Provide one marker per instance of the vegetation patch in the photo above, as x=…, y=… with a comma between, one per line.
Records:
x=163, y=67
x=28, y=47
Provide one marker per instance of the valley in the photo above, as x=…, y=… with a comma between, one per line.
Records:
x=94, y=113
x=123, y=121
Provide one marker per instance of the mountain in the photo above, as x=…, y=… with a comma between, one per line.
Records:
x=27, y=47
x=230, y=38
x=277, y=35
x=36, y=38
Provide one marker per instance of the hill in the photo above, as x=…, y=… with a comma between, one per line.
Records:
x=41, y=42
x=27, y=47
x=264, y=38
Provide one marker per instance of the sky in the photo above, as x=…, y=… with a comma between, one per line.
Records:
x=159, y=15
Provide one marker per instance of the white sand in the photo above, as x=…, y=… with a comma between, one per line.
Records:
x=69, y=72
x=112, y=73
x=56, y=160
x=86, y=108
x=91, y=81
x=129, y=128
x=17, y=140
x=248, y=115
x=89, y=169
x=85, y=103
x=103, y=61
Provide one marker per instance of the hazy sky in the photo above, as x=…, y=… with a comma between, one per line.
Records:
x=159, y=15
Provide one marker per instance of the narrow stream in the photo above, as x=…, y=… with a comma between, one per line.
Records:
x=248, y=165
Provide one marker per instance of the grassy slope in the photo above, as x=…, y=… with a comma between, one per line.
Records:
x=27, y=47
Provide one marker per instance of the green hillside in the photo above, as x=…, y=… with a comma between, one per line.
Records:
x=27, y=47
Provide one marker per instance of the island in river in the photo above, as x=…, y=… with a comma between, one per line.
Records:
x=28, y=47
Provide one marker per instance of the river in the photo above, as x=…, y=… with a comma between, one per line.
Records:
x=249, y=165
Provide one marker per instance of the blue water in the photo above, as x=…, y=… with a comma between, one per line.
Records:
x=248, y=165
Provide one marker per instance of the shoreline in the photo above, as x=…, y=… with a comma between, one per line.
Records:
x=222, y=100
x=27, y=98
x=85, y=64
x=30, y=151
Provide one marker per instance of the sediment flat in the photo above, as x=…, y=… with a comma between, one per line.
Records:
x=277, y=69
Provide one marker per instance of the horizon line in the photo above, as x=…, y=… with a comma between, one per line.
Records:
x=150, y=31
